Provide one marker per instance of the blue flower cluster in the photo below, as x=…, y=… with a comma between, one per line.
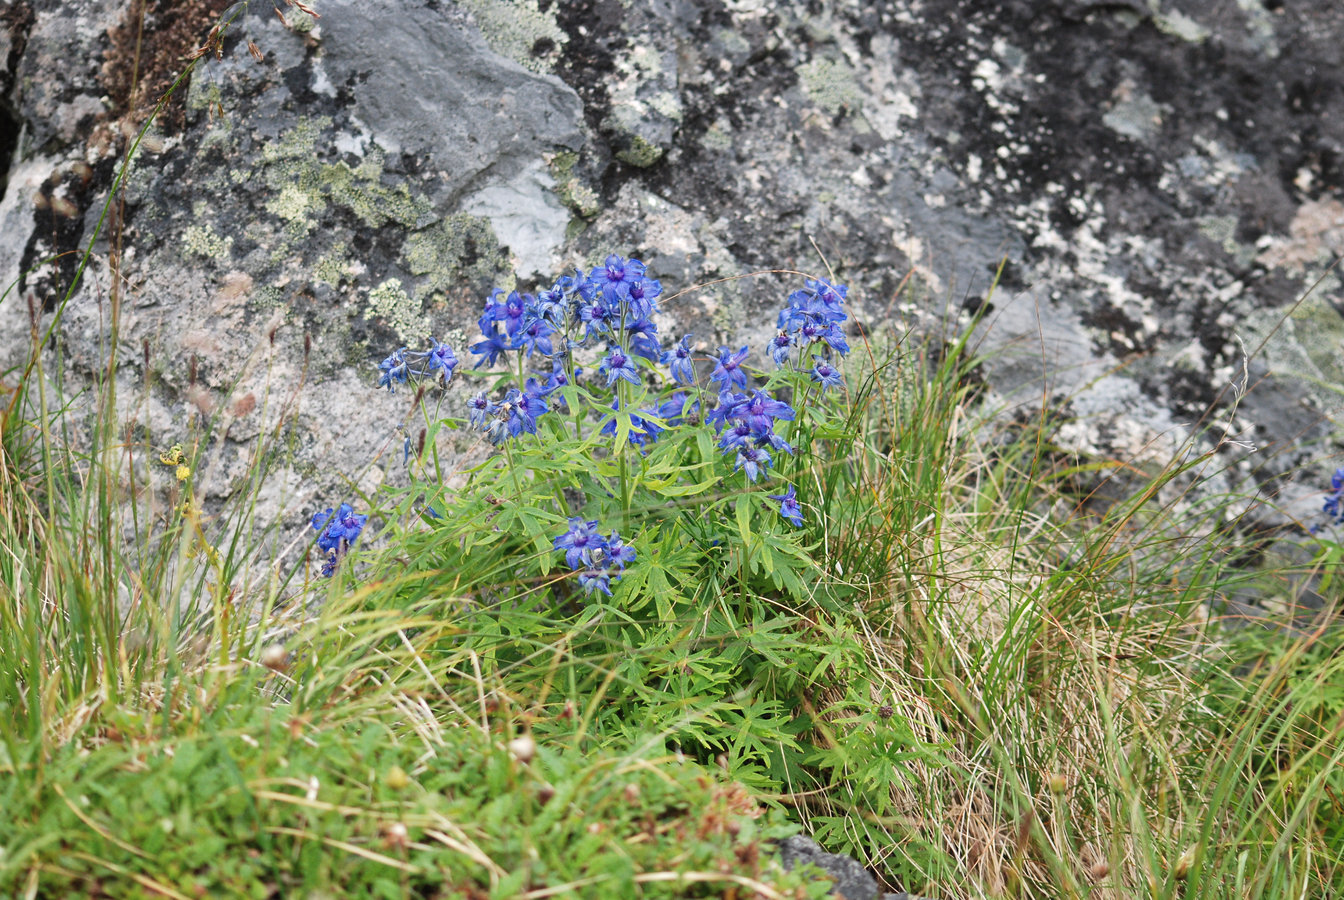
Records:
x=1334, y=501
x=338, y=529
x=613, y=304
x=516, y=413
x=811, y=321
x=746, y=426
x=439, y=362
x=610, y=310
x=597, y=559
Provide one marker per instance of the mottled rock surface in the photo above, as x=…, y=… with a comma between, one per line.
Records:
x=1163, y=179
x=852, y=881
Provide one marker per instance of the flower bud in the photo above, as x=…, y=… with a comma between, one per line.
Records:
x=396, y=778
x=275, y=657
x=523, y=748
x=395, y=836
x=1186, y=860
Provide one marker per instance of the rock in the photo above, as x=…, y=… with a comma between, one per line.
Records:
x=852, y=881
x=1163, y=186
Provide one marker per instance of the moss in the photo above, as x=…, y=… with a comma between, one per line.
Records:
x=460, y=248
x=639, y=152
x=390, y=302
x=202, y=240
x=517, y=29
x=572, y=192
x=830, y=85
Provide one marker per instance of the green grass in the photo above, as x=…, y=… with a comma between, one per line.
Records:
x=968, y=684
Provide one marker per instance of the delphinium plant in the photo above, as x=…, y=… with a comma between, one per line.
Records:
x=652, y=506
x=606, y=436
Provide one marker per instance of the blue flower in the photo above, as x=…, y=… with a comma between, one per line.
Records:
x=596, y=316
x=580, y=542
x=728, y=372
x=738, y=434
x=493, y=309
x=616, y=364
x=595, y=580
x=441, y=360
x=337, y=530
x=779, y=348
x=394, y=369
x=559, y=377
x=644, y=338
x=617, y=553
x=788, y=506
x=760, y=412
x=753, y=460
x=642, y=294
x=672, y=409
x=616, y=275
x=825, y=374
x=553, y=302
x=535, y=335
x=490, y=349
x=725, y=410
x=532, y=404
x=1332, y=506
x=834, y=337
x=828, y=300
x=514, y=312
x=679, y=363
x=641, y=430
x=480, y=408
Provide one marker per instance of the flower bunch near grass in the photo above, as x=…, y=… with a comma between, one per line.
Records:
x=337, y=531
x=642, y=425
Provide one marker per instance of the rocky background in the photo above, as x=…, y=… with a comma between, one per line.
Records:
x=1162, y=177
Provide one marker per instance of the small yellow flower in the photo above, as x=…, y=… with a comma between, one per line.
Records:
x=183, y=473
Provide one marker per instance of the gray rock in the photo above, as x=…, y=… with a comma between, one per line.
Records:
x=1163, y=186
x=852, y=881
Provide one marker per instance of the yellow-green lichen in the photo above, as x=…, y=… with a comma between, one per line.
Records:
x=639, y=152
x=292, y=205
x=459, y=248
x=268, y=296
x=362, y=192
x=572, y=192
x=715, y=138
x=830, y=85
x=307, y=187
x=390, y=302
x=514, y=28
x=204, y=91
x=201, y=240
x=667, y=104
x=333, y=268
x=300, y=22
